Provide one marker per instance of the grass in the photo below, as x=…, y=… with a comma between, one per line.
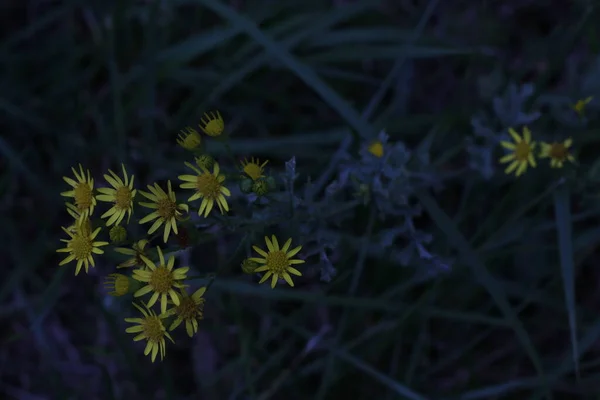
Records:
x=513, y=316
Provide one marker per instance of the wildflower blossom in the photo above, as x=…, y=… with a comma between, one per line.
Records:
x=81, y=248
x=579, y=106
x=82, y=192
x=190, y=310
x=376, y=148
x=522, y=152
x=161, y=280
x=557, y=152
x=138, y=253
x=212, y=125
x=254, y=169
x=79, y=223
x=167, y=211
x=277, y=262
x=118, y=284
x=189, y=139
x=151, y=328
x=121, y=194
x=209, y=187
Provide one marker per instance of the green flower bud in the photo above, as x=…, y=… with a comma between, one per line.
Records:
x=249, y=266
x=205, y=161
x=246, y=185
x=260, y=187
x=117, y=234
x=271, y=183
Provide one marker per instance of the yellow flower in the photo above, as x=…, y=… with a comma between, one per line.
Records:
x=161, y=279
x=81, y=247
x=118, y=284
x=557, y=152
x=82, y=192
x=522, y=152
x=151, y=328
x=212, y=125
x=579, y=106
x=209, y=187
x=121, y=194
x=376, y=148
x=138, y=253
x=167, y=210
x=254, y=169
x=80, y=223
x=190, y=310
x=277, y=262
x=189, y=139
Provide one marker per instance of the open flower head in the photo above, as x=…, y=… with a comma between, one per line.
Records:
x=166, y=210
x=276, y=262
x=209, y=187
x=137, y=253
x=118, y=284
x=189, y=310
x=212, y=124
x=189, y=139
x=150, y=327
x=557, y=152
x=121, y=195
x=253, y=168
x=161, y=280
x=81, y=248
x=82, y=192
x=521, y=155
x=579, y=106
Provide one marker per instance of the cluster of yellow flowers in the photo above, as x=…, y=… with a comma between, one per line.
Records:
x=522, y=151
x=164, y=284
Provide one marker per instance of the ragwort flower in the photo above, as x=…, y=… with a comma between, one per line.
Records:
x=212, y=125
x=118, y=284
x=190, y=310
x=209, y=187
x=522, y=152
x=137, y=252
x=161, y=280
x=82, y=192
x=121, y=194
x=189, y=139
x=557, y=152
x=81, y=248
x=167, y=211
x=579, y=106
x=254, y=169
x=151, y=328
x=277, y=262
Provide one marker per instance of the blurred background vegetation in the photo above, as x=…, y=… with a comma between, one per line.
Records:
x=104, y=82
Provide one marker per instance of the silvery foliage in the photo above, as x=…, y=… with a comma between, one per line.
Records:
x=490, y=128
x=387, y=184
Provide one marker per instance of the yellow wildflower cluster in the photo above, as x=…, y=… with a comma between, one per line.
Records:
x=155, y=280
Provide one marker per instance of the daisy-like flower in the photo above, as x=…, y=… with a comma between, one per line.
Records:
x=81, y=248
x=161, y=280
x=189, y=139
x=557, y=152
x=190, y=310
x=211, y=124
x=121, y=194
x=376, y=148
x=522, y=152
x=579, y=106
x=209, y=187
x=118, y=284
x=80, y=223
x=151, y=328
x=254, y=169
x=277, y=262
x=167, y=211
x=137, y=252
x=82, y=192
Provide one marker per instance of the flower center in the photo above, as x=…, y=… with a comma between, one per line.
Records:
x=522, y=151
x=277, y=262
x=558, y=151
x=188, y=309
x=81, y=246
x=83, y=196
x=161, y=279
x=166, y=208
x=153, y=329
x=123, y=198
x=208, y=185
x=253, y=171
